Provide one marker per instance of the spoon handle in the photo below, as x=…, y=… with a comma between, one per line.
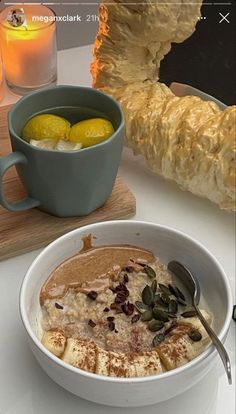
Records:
x=218, y=344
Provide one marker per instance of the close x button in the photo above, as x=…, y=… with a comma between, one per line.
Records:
x=224, y=17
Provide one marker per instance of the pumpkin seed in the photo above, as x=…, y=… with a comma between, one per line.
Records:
x=166, y=299
x=195, y=335
x=149, y=271
x=146, y=316
x=147, y=295
x=164, y=289
x=140, y=306
x=155, y=325
x=172, y=315
x=158, y=339
x=159, y=301
x=173, y=290
x=140, y=263
x=181, y=295
x=176, y=292
x=173, y=306
x=181, y=302
x=170, y=328
x=160, y=315
x=189, y=314
x=154, y=286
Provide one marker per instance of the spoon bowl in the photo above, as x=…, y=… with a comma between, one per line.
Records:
x=192, y=285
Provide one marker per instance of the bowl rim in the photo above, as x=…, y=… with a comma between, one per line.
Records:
x=209, y=352
x=84, y=89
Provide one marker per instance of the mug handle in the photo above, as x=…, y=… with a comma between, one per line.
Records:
x=5, y=163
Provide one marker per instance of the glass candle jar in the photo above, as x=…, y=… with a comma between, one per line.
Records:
x=28, y=44
x=1, y=79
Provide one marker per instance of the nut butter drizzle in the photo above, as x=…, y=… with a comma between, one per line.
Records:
x=92, y=269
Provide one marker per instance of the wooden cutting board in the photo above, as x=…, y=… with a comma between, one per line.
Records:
x=32, y=229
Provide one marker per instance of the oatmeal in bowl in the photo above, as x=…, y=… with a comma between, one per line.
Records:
x=116, y=310
x=90, y=331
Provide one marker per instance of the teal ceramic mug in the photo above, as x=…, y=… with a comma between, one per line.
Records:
x=64, y=183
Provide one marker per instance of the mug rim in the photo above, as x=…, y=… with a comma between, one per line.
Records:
x=11, y=114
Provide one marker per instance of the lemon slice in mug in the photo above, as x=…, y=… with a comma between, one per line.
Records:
x=61, y=145
x=47, y=144
x=91, y=131
x=46, y=126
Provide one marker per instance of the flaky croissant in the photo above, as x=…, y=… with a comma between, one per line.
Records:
x=184, y=139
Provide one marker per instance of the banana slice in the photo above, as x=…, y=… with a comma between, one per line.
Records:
x=81, y=353
x=179, y=349
x=120, y=366
x=102, y=362
x=63, y=145
x=134, y=364
x=146, y=363
x=54, y=341
x=196, y=323
x=174, y=352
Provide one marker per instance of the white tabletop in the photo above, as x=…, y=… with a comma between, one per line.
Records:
x=24, y=387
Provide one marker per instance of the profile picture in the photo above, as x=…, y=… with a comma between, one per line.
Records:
x=16, y=17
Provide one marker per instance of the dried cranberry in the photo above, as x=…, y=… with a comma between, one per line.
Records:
x=92, y=295
x=91, y=323
x=135, y=318
x=110, y=318
x=120, y=298
x=111, y=326
x=121, y=288
x=116, y=307
x=126, y=278
x=130, y=307
x=129, y=269
x=127, y=308
x=122, y=293
x=58, y=306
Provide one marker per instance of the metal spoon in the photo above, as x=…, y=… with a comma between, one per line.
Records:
x=192, y=285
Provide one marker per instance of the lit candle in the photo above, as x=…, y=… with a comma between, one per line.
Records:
x=28, y=47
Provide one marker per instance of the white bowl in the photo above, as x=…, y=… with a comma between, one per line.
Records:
x=165, y=243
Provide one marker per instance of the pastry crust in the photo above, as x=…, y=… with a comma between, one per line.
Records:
x=184, y=139
x=134, y=37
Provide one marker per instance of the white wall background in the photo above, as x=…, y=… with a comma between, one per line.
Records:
x=71, y=34
x=76, y=33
